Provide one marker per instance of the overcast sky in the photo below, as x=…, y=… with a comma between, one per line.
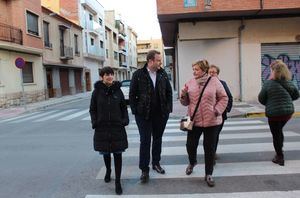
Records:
x=139, y=14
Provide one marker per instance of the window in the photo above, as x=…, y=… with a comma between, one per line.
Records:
x=107, y=53
x=115, y=55
x=27, y=73
x=32, y=23
x=76, y=43
x=46, y=34
x=92, y=41
x=101, y=44
x=100, y=21
x=91, y=17
x=115, y=37
x=105, y=34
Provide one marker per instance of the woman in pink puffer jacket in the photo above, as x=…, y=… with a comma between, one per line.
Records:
x=207, y=118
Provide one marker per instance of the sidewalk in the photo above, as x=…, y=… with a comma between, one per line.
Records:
x=15, y=111
x=239, y=109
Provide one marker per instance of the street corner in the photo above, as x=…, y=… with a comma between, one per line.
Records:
x=10, y=113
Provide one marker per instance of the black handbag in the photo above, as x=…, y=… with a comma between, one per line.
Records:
x=186, y=123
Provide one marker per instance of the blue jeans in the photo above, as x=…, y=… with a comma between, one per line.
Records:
x=155, y=126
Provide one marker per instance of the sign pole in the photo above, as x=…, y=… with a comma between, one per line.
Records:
x=23, y=92
x=20, y=63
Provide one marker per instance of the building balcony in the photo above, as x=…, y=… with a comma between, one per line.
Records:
x=90, y=5
x=11, y=34
x=95, y=53
x=66, y=53
x=94, y=28
x=123, y=64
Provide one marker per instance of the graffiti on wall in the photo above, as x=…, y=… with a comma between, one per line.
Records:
x=293, y=65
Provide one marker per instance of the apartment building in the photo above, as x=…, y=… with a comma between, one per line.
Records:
x=144, y=46
x=241, y=37
x=90, y=15
x=116, y=35
x=132, y=52
x=62, y=55
x=21, y=41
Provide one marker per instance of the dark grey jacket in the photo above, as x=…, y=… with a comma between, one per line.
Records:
x=278, y=97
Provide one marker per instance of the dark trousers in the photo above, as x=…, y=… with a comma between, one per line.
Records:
x=278, y=138
x=209, y=142
x=154, y=127
x=218, y=131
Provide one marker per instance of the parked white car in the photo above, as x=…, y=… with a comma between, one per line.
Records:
x=125, y=85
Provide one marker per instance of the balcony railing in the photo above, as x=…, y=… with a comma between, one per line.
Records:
x=11, y=34
x=66, y=53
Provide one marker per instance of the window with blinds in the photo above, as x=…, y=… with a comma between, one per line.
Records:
x=32, y=23
x=27, y=73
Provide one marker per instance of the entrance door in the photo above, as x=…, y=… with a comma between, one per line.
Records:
x=78, y=81
x=64, y=81
x=50, y=83
x=88, y=81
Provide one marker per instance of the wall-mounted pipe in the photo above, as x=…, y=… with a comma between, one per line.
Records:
x=241, y=28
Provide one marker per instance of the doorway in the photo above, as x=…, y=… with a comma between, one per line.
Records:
x=50, y=83
x=88, y=81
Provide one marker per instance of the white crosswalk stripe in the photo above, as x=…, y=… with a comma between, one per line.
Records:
x=243, y=136
x=265, y=194
x=232, y=148
x=182, y=137
x=54, y=115
x=74, y=115
x=33, y=117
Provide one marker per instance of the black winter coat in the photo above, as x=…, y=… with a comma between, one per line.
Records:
x=230, y=100
x=140, y=92
x=109, y=116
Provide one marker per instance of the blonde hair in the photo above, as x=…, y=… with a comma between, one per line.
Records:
x=215, y=67
x=203, y=64
x=281, y=71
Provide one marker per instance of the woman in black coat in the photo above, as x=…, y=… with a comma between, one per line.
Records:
x=109, y=116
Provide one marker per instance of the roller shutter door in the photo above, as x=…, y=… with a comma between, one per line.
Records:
x=288, y=52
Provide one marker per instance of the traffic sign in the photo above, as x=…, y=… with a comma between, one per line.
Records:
x=20, y=62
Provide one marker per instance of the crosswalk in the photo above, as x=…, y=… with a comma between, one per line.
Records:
x=60, y=115
x=51, y=115
x=239, y=137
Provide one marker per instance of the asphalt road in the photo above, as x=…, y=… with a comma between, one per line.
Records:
x=50, y=154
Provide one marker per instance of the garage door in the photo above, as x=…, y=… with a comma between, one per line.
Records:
x=288, y=52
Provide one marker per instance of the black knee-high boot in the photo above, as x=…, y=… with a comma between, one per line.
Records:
x=107, y=161
x=118, y=170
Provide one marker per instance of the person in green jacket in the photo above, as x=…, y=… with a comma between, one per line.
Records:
x=277, y=94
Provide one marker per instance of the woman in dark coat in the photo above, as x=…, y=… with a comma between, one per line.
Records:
x=215, y=71
x=277, y=94
x=109, y=116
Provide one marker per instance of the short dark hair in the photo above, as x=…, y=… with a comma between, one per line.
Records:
x=106, y=70
x=151, y=54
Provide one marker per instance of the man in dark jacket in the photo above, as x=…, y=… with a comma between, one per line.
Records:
x=150, y=98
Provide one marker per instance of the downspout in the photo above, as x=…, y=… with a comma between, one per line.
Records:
x=241, y=28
